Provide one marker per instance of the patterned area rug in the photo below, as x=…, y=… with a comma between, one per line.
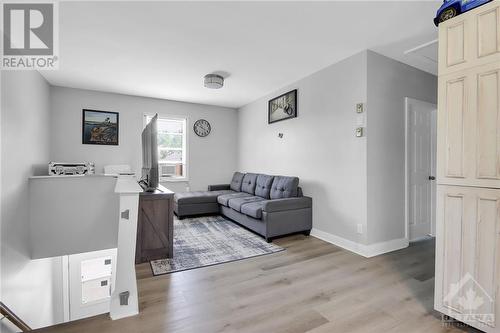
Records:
x=210, y=240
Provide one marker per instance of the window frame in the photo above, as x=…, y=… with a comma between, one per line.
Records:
x=185, y=145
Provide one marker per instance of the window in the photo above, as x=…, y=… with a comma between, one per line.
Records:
x=172, y=163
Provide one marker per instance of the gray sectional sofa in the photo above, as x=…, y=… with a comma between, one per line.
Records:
x=271, y=206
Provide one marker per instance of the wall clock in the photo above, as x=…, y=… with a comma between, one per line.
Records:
x=202, y=128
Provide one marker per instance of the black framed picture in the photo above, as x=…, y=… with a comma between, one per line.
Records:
x=282, y=107
x=100, y=127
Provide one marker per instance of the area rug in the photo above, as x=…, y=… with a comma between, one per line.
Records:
x=210, y=240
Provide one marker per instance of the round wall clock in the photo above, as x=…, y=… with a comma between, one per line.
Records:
x=202, y=128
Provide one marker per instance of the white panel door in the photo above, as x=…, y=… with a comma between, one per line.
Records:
x=421, y=152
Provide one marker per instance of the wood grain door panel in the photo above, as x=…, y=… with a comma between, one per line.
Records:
x=486, y=98
x=467, y=253
x=469, y=127
x=487, y=32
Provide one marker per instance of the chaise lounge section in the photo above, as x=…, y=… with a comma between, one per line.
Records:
x=271, y=206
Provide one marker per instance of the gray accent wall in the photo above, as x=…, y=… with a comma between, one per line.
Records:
x=389, y=82
x=212, y=160
x=319, y=146
x=353, y=181
x=31, y=288
x=71, y=215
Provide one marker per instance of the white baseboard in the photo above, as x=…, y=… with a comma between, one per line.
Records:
x=367, y=251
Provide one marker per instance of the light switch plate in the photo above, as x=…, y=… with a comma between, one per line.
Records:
x=359, y=108
x=360, y=229
x=359, y=132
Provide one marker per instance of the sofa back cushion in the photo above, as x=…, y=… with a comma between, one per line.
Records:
x=237, y=181
x=263, y=187
x=284, y=187
x=249, y=182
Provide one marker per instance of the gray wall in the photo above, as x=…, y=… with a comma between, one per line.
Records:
x=389, y=82
x=80, y=215
x=31, y=288
x=319, y=146
x=211, y=159
x=352, y=180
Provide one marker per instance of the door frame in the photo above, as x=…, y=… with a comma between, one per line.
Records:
x=407, y=173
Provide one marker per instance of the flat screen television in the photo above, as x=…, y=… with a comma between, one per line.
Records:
x=150, y=178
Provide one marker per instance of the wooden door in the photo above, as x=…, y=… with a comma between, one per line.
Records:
x=467, y=255
x=468, y=196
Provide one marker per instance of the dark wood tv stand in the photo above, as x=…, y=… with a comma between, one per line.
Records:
x=155, y=225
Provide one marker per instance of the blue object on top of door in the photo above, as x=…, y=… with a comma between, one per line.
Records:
x=452, y=8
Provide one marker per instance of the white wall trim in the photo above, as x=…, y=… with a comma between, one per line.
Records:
x=367, y=251
x=65, y=286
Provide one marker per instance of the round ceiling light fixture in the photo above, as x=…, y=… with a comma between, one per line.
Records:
x=213, y=81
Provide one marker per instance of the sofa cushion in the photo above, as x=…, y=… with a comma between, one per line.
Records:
x=249, y=182
x=253, y=209
x=284, y=187
x=199, y=196
x=236, y=203
x=224, y=198
x=280, y=205
x=236, y=181
x=263, y=186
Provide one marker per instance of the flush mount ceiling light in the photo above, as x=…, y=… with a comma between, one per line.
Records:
x=213, y=81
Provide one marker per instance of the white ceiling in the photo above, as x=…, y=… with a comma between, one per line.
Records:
x=163, y=49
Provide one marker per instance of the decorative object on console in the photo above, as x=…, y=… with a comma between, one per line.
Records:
x=202, y=128
x=59, y=169
x=100, y=127
x=282, y=107
x=118, y=169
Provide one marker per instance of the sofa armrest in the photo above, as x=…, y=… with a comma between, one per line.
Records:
x=219, y=187
x=278, y=205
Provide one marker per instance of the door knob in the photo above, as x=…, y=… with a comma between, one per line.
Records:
x=432, y=178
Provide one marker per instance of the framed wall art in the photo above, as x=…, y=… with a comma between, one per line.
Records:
x=100, y=127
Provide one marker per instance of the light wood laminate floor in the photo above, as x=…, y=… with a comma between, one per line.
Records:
x=313, y=287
